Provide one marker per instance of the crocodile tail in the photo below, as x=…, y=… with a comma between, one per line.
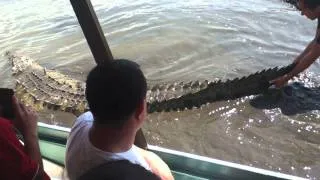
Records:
x=231, y=89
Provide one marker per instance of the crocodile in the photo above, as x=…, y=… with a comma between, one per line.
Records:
x=44, y=88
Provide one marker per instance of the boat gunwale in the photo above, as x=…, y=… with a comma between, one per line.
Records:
x=221, y=167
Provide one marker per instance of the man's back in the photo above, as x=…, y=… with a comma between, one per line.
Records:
x=82, y=156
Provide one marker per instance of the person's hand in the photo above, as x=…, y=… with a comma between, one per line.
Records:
x=25, y=119
x=280, y=81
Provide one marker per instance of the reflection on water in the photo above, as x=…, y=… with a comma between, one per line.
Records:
x=183, y=41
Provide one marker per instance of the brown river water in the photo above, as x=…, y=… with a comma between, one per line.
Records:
x=183, y=41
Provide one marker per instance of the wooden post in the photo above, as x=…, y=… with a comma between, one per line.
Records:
x=92, y=30
x=98, y=44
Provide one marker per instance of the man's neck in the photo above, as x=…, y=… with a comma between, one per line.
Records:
x=111, y=140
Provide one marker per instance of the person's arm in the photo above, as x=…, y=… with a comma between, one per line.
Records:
x=310, y=46
x=303, y=61
x=33, y=150
x=303, y=64
x=26, y=122
x=306, y=61
x=157, y=165
x=311, y=54
x=305, y=51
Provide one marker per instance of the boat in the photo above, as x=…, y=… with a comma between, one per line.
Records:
x=184, y=166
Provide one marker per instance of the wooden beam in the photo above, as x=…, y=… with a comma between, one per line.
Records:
x=92, y=30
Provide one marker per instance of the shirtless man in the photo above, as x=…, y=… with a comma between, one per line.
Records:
x=116, y=94
x=311, y=9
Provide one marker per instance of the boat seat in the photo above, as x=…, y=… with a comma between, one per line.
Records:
x=119, y=170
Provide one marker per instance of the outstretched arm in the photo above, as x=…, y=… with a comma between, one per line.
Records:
x=157, y=165
x=305, y=51
x=306, y=61
x=310, y=46
x=303, y=64
x=303, y=61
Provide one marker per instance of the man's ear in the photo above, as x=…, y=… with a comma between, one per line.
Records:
x=141, y=110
